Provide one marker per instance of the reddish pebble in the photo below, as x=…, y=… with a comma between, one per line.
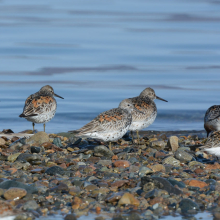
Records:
x=196, y=183
x=122, y=163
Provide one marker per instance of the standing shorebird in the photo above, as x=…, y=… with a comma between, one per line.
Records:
x=147, y=110
x=41, y=106
x=212, y=119
x=212, y=145
x=109, y=125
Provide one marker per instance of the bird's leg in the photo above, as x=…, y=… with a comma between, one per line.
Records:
x=110, y=145
x=44, y=127
x=138, y=138
x=33, y=127
x=132, y=136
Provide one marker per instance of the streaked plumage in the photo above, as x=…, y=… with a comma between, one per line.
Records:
x=109, y=125
x=41, y=106
x=147, y=110
x=212, y=119
x=212, y=145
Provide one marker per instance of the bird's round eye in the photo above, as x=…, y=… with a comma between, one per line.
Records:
x=128, y=105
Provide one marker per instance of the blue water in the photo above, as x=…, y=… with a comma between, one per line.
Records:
x=96, y=53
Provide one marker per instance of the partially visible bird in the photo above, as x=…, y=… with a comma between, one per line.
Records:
x=147, y=110
x=212, y=145
x=109, y=125
x=41, y=106
x=212, y=119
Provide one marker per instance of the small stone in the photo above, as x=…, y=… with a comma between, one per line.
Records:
x=173, y=143
x=158, y=168
x=2, y=141
x=121, y=163
x=196, y=183
x=188, y=206
x=54, y=170
x=35, y=149
x=30, y=205
x=119, y=183
x=57, y=142
x=172, y=161
x=183, y=156
x=159, y=145
x=15, y=193
x=70, y=217
x=102, y=150
x=13, y=157
x=10, y=183
x=128, y=199
x=38, y=138
x=144, y=170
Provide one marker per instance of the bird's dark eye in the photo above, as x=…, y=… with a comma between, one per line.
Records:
x=128, y=105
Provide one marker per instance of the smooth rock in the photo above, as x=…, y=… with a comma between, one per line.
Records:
x=54, y=170
x=38, y=138
x=173, y=143
x=30, y=205
x=158, y=168
x=10, y=183
x=196, y=183
x=102, y=150
x=2, y=141
x=183, y=156
x=13, y=157
x=143, y=170
x=57, y=142
x=15, y=193
x=70, y=217
x=188, y=206
x=35, y=149
x=172, y=161
x=158, y=145
x=121, y=163
x=128, y=199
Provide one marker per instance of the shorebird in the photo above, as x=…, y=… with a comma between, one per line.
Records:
x=41, y=106
x=212, y=145
x=212, y=119
x=147, y=110
x=109, y=125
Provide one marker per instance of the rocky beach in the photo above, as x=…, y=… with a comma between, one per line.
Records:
x=45, y=175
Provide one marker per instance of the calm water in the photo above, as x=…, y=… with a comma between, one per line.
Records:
x=96, y=53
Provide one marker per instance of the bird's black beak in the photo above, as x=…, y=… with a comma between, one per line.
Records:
x=58, y=96
x=161, y=99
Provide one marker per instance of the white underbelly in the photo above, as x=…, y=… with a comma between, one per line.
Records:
x=108, y=136
x=42, y=118
x=139, y=125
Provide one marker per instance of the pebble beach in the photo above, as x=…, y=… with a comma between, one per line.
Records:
x=48, y=175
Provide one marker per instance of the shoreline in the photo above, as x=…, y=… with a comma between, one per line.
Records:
x=58, y=173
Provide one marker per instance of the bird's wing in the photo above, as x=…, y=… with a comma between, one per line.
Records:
x=108, y=121
x=36, y=105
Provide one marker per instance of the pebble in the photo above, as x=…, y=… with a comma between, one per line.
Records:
x=173, y=143
x=171, y=161
x=38, y=138
x=54, y=170
x=121, y=163
x=15, y=193
x=128, y=199
x=102, y=150
x=183, y=156
x=35, y=149
x=2, y=141
x=188, y=206
x=159, y=145
x=70, y=175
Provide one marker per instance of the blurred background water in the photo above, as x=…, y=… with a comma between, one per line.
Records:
x=96, y=53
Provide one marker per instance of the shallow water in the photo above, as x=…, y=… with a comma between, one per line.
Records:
x=97, y=53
